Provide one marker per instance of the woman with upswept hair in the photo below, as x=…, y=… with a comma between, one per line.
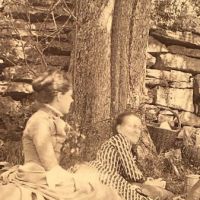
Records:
x=41, y=177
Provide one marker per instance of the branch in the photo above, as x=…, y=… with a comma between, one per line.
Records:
x=21, y=40
x=5, y=57
x=42, y=56
x=54, y=34
x=54, y=21
x=49, y=12
x=67, y=9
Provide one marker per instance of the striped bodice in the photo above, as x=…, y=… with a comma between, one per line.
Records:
x=117, y=167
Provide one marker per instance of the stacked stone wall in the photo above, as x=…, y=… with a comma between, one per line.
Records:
x=173, y=71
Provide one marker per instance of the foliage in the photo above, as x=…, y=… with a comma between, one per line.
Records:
x=73, y=148
x=176, y=14
x=13, y=116
x=160, y=167
x=11, y=151
x=34, y=26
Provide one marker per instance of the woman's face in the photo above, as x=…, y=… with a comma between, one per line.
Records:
x=131, y=128
x=64, y=101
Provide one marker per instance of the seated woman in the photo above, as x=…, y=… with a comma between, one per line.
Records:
x=41, y=177
x=117, y=167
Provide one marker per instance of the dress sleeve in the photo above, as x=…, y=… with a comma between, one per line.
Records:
x=130, y=168
x=40, y=133
x=109, y=175
x=125, y=189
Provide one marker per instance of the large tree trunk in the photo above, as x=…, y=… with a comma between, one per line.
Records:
x=109, y=63
x=129, y=41
x=130, y=33
x=92, y=85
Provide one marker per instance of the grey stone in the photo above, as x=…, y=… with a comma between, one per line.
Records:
x=178, y=62
x=154, y=81
x=58, y=60
x=18, y=87
x=175, y=49
x=21, y=73
x=158, y=74
x=1, y=62
x=154, y=46
x=150, y=96
x=180, y=76
x=166, y=83
x=189, y=119
x=181, y=85
x=36, y=13
x=14, y=50
x=53, y=60
x=50, y=26
x=42, y=2
x=3, y=86
x=196, y=97
x=151, y=112
x=151, y=60
x=171, y=75
x=171, y=78
x=177, y=37
x=181, y=99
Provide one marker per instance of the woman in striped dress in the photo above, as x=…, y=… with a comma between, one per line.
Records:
x=117, y=167
x=115, y=163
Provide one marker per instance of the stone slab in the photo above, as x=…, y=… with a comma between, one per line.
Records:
x=181, y=99
x=178, y=62
x=154, y=46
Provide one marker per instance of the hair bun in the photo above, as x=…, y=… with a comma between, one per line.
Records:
x=48, y=84
x=42, y=82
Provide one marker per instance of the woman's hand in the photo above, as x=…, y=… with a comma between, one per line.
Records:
x=135, y=187
x=82, y=185
x=155, y=182
x=142, y=191
x=86, y=178
x=57, y=176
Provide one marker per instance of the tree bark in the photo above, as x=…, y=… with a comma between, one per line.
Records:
x=109, y=63
x=140, y=24
x=128, y=61
x=92, y=85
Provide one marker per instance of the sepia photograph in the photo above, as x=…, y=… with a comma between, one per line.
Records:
x=99, y=99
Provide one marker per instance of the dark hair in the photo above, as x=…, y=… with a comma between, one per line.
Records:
x=120, y=119
x=50, y=83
